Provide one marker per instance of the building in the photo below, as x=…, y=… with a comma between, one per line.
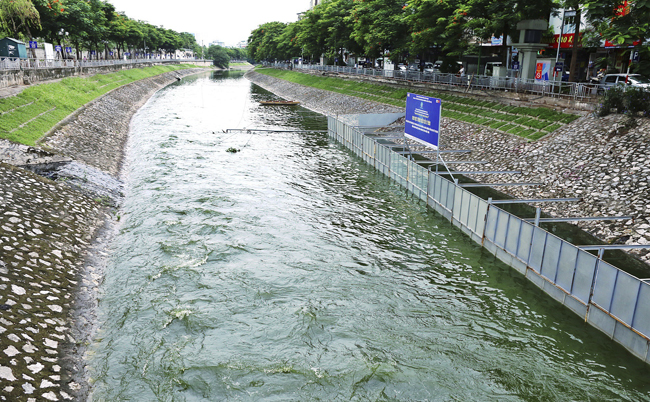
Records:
x=10, y=47
x=184, y=54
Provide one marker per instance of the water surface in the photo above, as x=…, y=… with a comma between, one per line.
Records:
x=291, y=271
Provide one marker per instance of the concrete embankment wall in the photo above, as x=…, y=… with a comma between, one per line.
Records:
x=48, y=282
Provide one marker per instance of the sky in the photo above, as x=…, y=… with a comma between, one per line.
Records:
x=211, y=20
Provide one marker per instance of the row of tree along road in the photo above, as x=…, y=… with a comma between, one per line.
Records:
x=446, y=30
x=93, y=29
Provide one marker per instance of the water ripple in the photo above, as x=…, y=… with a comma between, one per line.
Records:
x=291, y=271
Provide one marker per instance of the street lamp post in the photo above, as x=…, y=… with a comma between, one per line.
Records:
x=105, y=43
x=63, y=34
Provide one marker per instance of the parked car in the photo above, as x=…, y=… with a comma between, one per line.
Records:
x=633, y=80
x=401, y=66
x=429, y=68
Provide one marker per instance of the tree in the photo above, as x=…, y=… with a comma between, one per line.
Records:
x=236, y=53
x=100, y=14
x=288, y=46
x=620, y=22
x=263, y=41
x=310, y=36
x=17, y=16
x=338, y=32
x=438, y=27
x=219, y=56
x=170, y=41
x=380, y=25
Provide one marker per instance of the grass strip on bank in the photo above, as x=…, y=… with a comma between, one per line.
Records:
x=26, y=117
x=530, y=123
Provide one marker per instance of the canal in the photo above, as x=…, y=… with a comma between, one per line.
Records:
x=292, y=271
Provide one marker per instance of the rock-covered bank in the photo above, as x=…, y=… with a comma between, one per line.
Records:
x=321, y=101
x=47, y=278
x=594, y=158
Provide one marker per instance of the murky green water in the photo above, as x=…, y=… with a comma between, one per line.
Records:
x=291, y=271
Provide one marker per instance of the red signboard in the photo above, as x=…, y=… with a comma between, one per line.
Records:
x=567, y=41
x=610, y=44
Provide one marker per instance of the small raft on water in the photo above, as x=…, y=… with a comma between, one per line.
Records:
x=279, y=103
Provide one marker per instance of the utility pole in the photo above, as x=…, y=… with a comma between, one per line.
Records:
x=574, y=51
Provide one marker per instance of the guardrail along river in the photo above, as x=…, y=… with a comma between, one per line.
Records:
x=292, y=271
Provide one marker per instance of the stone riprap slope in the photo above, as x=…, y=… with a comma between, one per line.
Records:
x=96, y=135
x=321, y=101
x=46, y=227
x=47, y=281
x=592, y=157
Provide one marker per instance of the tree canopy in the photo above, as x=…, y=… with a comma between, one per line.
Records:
x=398, y=29
x=17, y=16
x=405, y=30
x=89, y=25
x=219, y=56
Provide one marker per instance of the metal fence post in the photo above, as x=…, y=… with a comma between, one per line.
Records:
x=601, y=252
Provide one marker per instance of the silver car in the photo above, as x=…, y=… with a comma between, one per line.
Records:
x=633, y=80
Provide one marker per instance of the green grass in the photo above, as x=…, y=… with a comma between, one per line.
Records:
x=530, y=123
x=28, y=116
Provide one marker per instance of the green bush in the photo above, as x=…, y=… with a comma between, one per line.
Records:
x=625, y=100
x=613, y=98
x=637, y=100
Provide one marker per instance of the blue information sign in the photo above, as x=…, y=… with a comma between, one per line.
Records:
x=635, y=56
x=423, y=119
x=68, y=49
x=57, y=48
x=515, y=65
x=33, y=44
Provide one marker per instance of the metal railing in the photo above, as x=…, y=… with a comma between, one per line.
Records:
x=559, y=89
x=9, y=63
x=606, y=297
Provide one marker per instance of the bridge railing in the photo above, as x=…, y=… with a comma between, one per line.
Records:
x=559, y=89
x=606, y=297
